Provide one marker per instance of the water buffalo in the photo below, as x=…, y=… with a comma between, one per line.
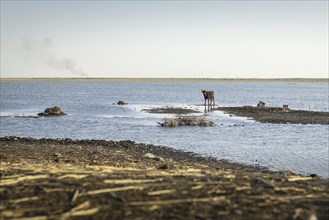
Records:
x=210, y=96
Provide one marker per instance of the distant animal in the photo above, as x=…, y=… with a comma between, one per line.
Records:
x=261, y=104
x=286, y=108
x=210, y=96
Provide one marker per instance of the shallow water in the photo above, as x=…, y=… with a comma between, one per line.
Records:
x=93, y=114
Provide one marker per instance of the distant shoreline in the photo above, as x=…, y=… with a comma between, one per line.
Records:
x=291, y=80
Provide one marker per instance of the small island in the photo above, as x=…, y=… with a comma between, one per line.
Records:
x=278, y=115
x=275, y=115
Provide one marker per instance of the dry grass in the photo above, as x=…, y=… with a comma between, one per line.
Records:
x=128, y=186
x=145, y=190
x=186, y=121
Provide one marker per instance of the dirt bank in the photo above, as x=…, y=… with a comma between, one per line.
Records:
x=66, y=179
x=278, y=115
x=275, y=115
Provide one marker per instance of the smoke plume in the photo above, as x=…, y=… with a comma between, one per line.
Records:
x=65, y=64
x=41, y=50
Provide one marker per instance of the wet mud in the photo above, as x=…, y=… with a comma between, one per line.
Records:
x=98, y=179
x=275, y=115
x=278, y=115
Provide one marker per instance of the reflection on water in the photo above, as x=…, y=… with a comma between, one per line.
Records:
x=93, y=114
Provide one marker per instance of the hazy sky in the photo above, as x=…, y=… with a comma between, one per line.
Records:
x=213, y=39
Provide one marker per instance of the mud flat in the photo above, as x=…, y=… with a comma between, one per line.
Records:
x=95, y=179
x=278, y=115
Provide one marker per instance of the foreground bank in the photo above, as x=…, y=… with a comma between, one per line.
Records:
x=61, y=179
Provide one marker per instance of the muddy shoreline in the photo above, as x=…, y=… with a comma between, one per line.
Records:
x=97, y=179
x=275, y=115
x=278, y=115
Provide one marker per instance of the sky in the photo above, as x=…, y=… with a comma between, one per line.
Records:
x=181, y=39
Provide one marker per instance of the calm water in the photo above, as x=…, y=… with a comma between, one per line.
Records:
x=92, y=114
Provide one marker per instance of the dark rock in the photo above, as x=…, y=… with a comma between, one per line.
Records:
x=122, y=102
x=54, y=111
x=163, y=167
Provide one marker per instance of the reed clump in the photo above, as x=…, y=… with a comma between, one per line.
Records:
x=186, y=121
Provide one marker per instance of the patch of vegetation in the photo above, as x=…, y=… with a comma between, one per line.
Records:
x=186, y=121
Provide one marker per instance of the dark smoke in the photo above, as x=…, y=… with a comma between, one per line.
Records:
x=65, y=64
x=42, y=50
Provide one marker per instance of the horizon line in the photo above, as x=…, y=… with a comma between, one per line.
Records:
x=167, y=79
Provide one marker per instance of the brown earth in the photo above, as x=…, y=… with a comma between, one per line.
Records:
x=95, y=179
x=278, y=115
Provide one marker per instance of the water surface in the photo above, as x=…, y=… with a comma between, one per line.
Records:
x=93, y=114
